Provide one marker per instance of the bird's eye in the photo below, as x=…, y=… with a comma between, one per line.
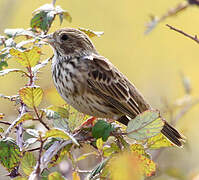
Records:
x=64, y=37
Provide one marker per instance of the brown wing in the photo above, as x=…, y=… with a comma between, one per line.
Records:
x=111, y=85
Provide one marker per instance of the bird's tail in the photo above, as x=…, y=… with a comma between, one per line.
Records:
x=172, y=134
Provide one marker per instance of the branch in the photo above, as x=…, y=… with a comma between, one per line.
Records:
x=20, y=127
x=195, y=38
x=171, y=12
x=40, y=118
x=184, y=111
x=6, y=123
x=53, y=2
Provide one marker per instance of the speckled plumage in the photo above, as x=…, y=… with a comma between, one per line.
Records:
x=92, y=84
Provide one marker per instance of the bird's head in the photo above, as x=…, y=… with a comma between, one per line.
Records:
x=70, y=42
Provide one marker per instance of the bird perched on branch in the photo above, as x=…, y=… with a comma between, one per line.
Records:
x=92, y=84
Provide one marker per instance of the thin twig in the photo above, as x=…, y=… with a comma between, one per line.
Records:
x=40, y=118
x=195, y=38
x=184, y=111
x=6, y=123
x=38, y=170
x=34, y=149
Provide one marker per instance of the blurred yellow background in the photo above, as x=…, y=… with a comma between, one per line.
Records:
x=153, y=62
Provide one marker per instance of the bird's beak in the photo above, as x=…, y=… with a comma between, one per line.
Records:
x=48, y=39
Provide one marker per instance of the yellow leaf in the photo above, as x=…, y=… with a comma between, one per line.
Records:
x=76, y=176
x=99, y=143
x=138, y=148
x=129, y=166
x=56, y=133
x=91, y=33
x=55, y=176
x=1, y=115
x=31, y=95
x=84, y=156
x=125, y=166
x=20, y=178
x=158, y=141
x=28, y=163
x=23, y=118
x=63, y=112
x=28, y=58
x=147, y=165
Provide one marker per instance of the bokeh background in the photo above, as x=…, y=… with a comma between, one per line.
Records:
x=153, y=62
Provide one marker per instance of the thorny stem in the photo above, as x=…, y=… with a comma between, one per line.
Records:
x=195, y=38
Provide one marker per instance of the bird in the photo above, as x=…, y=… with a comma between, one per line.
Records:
x=93, y=85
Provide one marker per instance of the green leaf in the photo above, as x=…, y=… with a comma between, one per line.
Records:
x=27, y=58
x=75, y=118
x=33, y=132
x=102, y=129
x=55, y=176
x=42, y=20
x=98, y=168
x=10, y=154
x=3, y=64
x=59, y=115
x=1, y=130
x=145, y=125
x=109, y=150
x=91, y=33
x=158, y=141
x=28, y=163
x=31, y=95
